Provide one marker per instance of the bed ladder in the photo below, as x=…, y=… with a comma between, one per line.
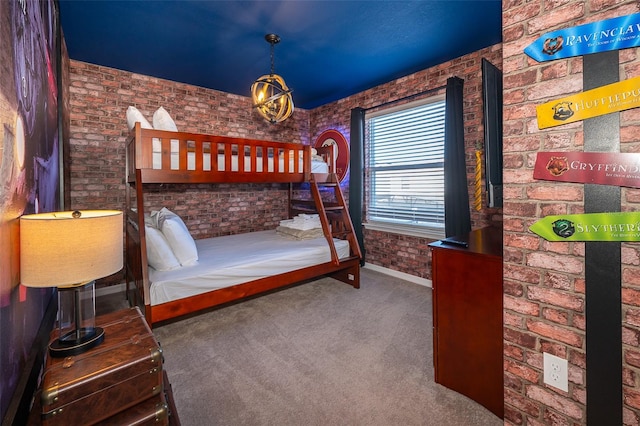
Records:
x=333, y=214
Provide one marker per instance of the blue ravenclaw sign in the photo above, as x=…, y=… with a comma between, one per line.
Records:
x=611, y=34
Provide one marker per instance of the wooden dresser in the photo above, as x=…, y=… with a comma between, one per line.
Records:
x=467, y=317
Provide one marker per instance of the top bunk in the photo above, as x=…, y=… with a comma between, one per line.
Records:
x=159, y=156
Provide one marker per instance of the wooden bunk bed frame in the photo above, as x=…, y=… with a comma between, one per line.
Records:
x=140, y=170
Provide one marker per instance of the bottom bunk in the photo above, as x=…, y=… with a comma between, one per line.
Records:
x=231, y=268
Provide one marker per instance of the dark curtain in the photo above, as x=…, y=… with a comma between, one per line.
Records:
x=457, y=220
x=356, y=175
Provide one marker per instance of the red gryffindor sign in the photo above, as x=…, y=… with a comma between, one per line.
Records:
x=340, y=150
x=604, y=168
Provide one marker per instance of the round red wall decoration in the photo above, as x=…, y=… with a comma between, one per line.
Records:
x=340, y=150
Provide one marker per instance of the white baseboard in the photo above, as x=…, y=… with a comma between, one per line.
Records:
x=407, y=277
x=110, y=289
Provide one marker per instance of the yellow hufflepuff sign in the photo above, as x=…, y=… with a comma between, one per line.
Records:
x=591, y=103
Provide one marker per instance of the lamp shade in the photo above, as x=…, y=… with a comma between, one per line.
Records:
x=67, y=249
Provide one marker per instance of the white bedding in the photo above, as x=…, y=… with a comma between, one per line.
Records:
x=317, y=166
x=234, y=259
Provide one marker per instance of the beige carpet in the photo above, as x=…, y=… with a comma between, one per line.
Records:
x=321, y=353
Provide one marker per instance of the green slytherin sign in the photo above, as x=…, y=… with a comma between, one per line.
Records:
x=623, y=226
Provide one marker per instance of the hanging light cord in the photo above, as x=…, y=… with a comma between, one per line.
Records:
x=272, y=61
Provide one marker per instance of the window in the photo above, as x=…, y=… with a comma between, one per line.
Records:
x=405, y=169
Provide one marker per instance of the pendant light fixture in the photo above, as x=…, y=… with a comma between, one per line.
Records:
x=270, y=95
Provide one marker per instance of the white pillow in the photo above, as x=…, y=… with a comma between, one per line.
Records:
x=163, y=121
x=159, y=253
x=134, y=116
x=178, y=236
x=157, y=217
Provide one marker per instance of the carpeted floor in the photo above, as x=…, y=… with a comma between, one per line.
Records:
x=321, y=353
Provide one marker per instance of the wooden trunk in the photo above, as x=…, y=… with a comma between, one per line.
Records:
x=153, y=411
x=123, y=371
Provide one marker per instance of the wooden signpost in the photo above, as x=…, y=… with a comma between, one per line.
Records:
x=603, y=226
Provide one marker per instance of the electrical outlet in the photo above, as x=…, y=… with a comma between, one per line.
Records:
x=555, y=371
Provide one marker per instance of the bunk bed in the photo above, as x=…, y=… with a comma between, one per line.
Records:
x=167, y=157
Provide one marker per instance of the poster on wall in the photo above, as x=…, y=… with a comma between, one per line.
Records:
x=340, y=150
x=602, y=168
x=610, y=34
x=623, y=226
x=591, y=103
x=29, y=167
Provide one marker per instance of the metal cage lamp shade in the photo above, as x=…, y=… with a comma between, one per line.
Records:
x=270, y=95
x=69, y=250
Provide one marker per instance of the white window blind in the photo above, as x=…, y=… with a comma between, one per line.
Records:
x=406, y=166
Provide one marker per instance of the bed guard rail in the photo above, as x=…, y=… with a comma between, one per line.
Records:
x=175, y=157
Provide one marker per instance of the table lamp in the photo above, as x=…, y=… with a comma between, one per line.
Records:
x=69, y=250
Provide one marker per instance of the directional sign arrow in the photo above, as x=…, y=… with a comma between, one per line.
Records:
x=611, y=34
x=603, y=168
x=614, y=97
x=623, y=226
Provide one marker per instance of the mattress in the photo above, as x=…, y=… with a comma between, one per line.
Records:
x=234, y=259
x=317, y=166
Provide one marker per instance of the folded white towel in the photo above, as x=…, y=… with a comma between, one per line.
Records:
x=299, y=234
x=302, y=226
x=304, y=216
x=302, y=222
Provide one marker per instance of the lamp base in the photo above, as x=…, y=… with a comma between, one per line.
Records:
x=70, y=344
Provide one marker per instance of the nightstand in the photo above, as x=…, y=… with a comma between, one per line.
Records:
x=118, y=382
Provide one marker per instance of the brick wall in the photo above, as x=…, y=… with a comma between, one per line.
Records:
x=99, y=99
x=402, y=252
x=544, y=285
x=98, y=129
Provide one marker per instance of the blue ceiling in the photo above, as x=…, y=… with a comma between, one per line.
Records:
x=328, y=50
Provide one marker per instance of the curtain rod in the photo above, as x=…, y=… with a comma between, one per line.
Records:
x=406, y=98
